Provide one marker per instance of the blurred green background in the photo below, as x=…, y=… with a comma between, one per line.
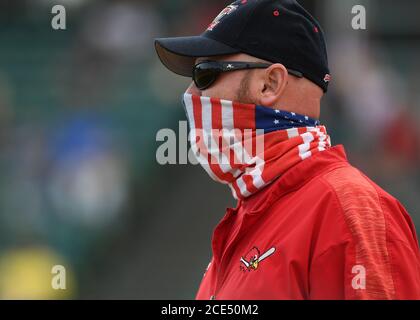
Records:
x=79, y=113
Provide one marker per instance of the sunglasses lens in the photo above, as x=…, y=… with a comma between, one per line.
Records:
x=205, y=75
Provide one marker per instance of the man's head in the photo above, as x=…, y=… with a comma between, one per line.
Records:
x=279, y=32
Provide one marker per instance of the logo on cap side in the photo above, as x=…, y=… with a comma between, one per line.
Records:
x=226, y=11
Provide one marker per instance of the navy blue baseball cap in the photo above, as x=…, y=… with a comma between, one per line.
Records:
x=279, y=31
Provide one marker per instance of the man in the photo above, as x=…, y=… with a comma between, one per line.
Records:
x=308, y=225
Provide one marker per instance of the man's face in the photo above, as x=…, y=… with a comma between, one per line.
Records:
x=233, y=86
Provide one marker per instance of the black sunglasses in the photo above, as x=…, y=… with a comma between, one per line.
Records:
x=205, y=73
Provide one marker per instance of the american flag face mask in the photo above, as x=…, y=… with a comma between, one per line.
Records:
x=247, y=146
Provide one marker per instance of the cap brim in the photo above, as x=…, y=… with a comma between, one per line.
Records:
x=179, y=54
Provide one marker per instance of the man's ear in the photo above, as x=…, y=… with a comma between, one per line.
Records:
x=274, y=83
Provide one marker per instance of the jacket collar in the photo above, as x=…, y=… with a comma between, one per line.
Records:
x=295, y=178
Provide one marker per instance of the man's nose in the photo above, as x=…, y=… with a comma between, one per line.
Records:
x=192, y=89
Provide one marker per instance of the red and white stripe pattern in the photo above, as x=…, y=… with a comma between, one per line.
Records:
x=233, y=149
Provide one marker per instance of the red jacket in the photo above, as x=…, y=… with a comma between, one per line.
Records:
x=321, y=231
